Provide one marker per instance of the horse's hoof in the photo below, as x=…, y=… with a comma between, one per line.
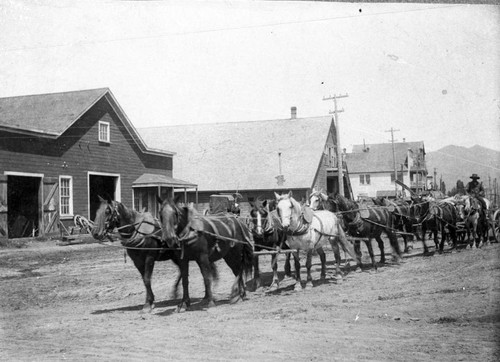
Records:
x=256, y=286
x=211, y=304
x=309, y=285
x=235, y=299
x=297, y=287
x=147, y=308
x=183, y=307
x=273, y=287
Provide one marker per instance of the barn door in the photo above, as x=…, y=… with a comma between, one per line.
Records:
x=3, y=207
x=50, y=205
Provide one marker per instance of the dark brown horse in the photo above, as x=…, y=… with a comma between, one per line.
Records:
x=438, y=217
x=405, y=221
x=140, y=235
x=367, y=221
x=207, y=239
x=269, y=236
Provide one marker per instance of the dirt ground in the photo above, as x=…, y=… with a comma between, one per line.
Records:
x=83, y=302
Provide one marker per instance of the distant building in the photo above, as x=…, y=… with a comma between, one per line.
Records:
x=371, y=168
x=253, y=158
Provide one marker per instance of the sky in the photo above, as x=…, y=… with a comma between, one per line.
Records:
x=429, y=71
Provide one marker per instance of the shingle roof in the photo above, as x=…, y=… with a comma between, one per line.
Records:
x=378, y=157
x=50, y=115
x=244, y=155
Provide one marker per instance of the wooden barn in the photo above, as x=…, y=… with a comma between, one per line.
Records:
x=60, y=151
x=254, y=158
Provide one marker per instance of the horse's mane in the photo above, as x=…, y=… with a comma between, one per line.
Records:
x=344, y=203
x=125, y=212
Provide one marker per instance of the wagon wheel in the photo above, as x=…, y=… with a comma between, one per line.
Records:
x=496, y=225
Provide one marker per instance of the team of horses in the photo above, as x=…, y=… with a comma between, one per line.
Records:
x=182, y=235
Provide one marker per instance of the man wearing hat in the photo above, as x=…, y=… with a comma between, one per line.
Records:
x=475, y=188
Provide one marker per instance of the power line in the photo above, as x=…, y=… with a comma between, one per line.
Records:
x=192, y=32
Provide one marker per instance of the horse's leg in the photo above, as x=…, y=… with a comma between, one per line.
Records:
x=357, y=250
x=405, y=241
x=233, y=259
x=145, y=266
x=380, y=244
x=309, y=283
x=397, y=256
x=469, y=233
x=369, y=246
x=453, y=236
x=338, y=259
x=274, y=265
x=296, y=259
x=257, y=282
x=443, y=237
x=346, y=246
x=207, y=272
x=186, y=301
x=288, y=267
x=424, y=231
x=322, y=258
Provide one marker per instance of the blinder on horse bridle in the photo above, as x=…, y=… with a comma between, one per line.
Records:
x=114, y=220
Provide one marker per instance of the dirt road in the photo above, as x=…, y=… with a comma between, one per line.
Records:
x=82, y=302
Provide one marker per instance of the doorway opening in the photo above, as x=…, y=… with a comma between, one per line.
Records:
x=101, y=185
x=23, y=204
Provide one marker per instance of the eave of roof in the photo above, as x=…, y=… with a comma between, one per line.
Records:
x=149, y=179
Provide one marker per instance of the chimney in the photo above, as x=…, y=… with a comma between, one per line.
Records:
x=294, y=113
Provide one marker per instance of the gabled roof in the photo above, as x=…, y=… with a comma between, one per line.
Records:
x=378, y=157
x=50, y=115
x=245, y=155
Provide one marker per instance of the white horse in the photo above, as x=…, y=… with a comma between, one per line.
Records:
x=310, y=230
x=476, y=220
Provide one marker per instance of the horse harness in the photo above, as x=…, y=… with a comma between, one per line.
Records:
x=136, y=237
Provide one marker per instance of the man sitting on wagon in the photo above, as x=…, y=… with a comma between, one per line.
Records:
x=475, y=189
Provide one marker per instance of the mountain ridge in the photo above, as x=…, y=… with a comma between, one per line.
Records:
x=453, y=163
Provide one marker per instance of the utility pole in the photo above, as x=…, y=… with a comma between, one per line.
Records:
x=340, y=163
x=435, y=180
x=392, y=130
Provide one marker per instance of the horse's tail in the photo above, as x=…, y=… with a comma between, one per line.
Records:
x=347, y=246
x=247, y=249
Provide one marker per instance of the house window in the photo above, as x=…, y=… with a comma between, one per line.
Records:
x=364, y=179
x=66, y=196
x=103, y=131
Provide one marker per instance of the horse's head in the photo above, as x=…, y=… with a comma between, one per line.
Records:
x=288, y=208
x=419, y=208
x=259, y=214
x=317, y=200
x=106, y=219
x=170, y=219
